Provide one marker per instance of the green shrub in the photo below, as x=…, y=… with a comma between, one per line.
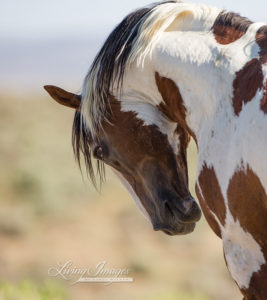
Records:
x=28, y=290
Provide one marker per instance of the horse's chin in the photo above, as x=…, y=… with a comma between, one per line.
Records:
x=179, y=229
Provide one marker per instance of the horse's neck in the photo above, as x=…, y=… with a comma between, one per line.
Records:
x=210, y=78
x=204, y=72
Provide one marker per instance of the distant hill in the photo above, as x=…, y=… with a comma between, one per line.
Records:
x=27, y=65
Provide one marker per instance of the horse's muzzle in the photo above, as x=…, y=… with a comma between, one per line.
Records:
x=177, y=217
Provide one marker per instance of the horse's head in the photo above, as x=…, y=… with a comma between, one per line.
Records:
x=150, y=160
x=130, y=131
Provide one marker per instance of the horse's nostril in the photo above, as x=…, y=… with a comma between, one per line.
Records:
x=187, y=205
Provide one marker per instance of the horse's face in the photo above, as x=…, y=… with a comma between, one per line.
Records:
x=151, y=168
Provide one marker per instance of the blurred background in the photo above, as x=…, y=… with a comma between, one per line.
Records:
x=49, y=213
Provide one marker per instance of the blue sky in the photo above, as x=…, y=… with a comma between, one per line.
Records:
x=42, y=19
x=55, y=41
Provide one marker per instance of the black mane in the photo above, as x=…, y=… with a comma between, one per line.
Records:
x=110, y=64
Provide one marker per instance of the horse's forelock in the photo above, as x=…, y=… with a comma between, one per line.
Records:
x=82, y=142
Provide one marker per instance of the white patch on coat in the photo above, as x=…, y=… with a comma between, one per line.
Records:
x=243, y=254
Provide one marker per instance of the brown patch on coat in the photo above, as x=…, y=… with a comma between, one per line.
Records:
x=264, y=100
x=250, y=198
x=207, y=213
x=261, y=39
x=211, y=192
x=229, y=27
x=246, y=84
x=184, y=139
x=258, y=287
x=173, y=106
x=248, y=204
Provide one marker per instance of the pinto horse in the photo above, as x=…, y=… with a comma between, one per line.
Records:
x=169, y=72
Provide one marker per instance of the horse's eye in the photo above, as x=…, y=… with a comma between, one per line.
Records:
x=98, y=153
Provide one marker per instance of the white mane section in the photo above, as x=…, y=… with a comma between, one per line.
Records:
x=91, y=107
x=177, y=16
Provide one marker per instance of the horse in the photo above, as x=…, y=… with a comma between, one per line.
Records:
x=169, y=72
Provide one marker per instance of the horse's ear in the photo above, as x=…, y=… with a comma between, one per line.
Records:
x=63, y=97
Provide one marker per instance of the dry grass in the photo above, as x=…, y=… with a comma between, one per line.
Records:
x=49, y=215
